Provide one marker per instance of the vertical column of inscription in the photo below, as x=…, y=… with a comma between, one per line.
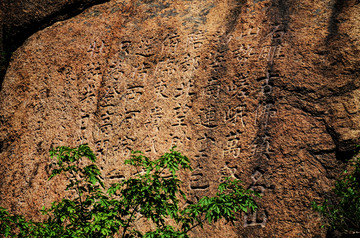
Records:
x=259, y=217
x=182, y=62
x=137, y=73
x=238, y=90
x=209, y=116
x=229, y=89
x=88, y=85
x=120, y=87
x=199, y=182
x=246, y=50
x=110, y=115
x=266, y=109
x=168, y=91
x=107, y=109
x=264, y=113
x=106, y=112
x=242, y=52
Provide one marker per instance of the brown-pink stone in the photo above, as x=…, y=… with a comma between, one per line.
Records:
x=265, y=91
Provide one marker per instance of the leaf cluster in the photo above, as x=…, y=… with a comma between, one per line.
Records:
x=153, y=195
x=343, y=212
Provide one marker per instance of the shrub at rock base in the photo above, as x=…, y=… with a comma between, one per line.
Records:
x=342, y=214
x=152, y=195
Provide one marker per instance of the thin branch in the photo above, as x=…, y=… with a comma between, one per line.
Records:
x=129, y=220
x=199, y=223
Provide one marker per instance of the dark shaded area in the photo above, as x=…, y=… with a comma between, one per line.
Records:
x=232, y=18
x=338, y=47
x=346, y=155
x=337, y=39
x=333, y=22
x=338, y=234
x=345, y=150
x=281, y=16
x=22, y=18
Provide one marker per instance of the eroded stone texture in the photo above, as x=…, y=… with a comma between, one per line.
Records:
x=265, y=91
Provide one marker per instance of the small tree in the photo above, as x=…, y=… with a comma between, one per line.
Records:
x=342, y=213
x=153, y=194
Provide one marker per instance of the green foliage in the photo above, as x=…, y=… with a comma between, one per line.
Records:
x=343, y=214
x=153, y=195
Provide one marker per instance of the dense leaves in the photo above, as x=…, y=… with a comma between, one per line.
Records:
x=343, y=212
x=152, y=195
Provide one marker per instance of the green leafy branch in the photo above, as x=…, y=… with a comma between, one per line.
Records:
x=153, y=195
x=342, y=213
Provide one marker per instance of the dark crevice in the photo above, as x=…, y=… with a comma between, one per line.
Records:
x=232, y=18
x=345, y=155
x=344, y=151
x=333, y=28
x=283, y=13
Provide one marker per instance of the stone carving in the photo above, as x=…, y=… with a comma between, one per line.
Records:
x=156, y=115
x=180, y=114
x=255, y=219
x=209, y=116
x=234, y=114
x=198, y=180
x=96, y=48
x=246, y=89
x=259, y=217
x=228, y=171
x=134, y=93
x=232, y=147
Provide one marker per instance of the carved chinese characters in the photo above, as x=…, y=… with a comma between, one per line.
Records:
x=256, y=90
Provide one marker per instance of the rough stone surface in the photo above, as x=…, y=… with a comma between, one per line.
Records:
x=3, y=63
x=262, y=90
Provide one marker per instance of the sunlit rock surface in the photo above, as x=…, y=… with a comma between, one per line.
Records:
x=260, y=90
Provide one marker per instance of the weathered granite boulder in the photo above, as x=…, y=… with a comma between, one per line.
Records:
x=262, y=90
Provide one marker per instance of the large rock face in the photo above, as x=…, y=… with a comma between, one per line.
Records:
x=262, y=90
